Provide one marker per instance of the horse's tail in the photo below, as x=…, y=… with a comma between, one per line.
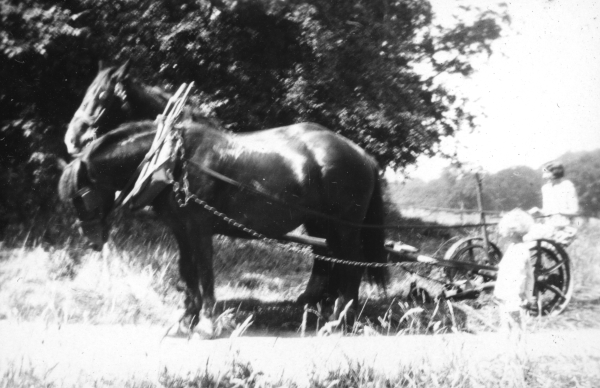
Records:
x=373, y=239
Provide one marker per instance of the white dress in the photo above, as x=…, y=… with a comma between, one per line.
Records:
x=558, y=199
x=514, y=285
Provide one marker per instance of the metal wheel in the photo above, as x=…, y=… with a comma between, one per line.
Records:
x=553, y=287
x=471, y=250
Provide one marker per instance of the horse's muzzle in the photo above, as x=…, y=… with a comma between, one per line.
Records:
x=80, y=132
x=95, y=232
x=73, y=136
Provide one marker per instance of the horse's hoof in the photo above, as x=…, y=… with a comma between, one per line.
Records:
x=205, y=329
x=180, y=325
x=178, y=330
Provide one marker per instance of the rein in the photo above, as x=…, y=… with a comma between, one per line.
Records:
x=271, y=197
x=85, y=198
x=174, y=107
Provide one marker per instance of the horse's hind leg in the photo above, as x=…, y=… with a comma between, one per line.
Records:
x=329, y=281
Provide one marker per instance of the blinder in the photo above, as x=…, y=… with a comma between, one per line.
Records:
x=88, y=205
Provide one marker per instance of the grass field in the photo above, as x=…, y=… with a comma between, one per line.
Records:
x=135, y=280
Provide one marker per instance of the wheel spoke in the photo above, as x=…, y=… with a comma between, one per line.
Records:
x=538, y=255
x=553, y=268
x=539, y=302
x=555, y=290
x=552, y=284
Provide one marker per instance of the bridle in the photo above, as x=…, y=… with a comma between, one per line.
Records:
x=88, y=206
x=94, y=121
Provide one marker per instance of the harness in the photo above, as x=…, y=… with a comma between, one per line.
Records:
x=155, y=173
x=169, y=142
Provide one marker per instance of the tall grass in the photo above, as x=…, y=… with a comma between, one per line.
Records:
x=40, y=284
x=585, y=255
x=136, y=279
x=458, y=371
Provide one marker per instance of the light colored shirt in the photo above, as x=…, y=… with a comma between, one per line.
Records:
x=559, y=199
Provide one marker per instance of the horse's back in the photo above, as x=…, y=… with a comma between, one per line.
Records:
x=343, y=172
x=324, y=144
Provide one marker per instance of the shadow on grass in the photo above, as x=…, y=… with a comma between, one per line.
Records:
x=388, y=316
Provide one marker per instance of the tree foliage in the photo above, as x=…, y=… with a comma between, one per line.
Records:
x=583, y=169
x=515, y=187
x=348, y=65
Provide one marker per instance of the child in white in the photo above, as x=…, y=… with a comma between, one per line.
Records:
x=514, y=285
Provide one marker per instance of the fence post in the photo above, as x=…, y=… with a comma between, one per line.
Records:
x=486, y=241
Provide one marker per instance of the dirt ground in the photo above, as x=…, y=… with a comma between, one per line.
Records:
x=76, y=352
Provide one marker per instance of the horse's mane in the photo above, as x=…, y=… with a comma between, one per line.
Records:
x=125, y=133
x=68, y=184
x=110, y=146
x=159, y=97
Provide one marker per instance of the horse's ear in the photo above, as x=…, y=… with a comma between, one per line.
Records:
x=123, y=71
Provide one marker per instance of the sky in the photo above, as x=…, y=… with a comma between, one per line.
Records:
x=538, y=94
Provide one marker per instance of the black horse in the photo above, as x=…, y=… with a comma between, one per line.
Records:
x=312, y=176
x=114, y=98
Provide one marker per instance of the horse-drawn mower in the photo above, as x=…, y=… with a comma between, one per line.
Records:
x=470, y=264
x=471, y=269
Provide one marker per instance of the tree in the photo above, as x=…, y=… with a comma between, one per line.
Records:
x=40, y=58
x=515, y=187
x=348, y=65
x=583, y=169
x=451, y=190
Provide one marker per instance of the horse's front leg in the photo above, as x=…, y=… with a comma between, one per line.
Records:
x=196, y=270
x=189, y=274
x=203, y=286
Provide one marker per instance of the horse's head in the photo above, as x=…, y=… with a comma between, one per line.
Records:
x=103, y=108
x=92, y=202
